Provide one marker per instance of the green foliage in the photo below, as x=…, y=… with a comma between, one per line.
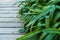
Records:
x=41, y=19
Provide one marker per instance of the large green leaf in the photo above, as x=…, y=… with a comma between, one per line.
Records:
x=29, y=35
x=41, y=14
x=47, y=21
x=43, y=36
x=49, y=36
x=56, y=25
x=52, y=2
x=58, y=7
x=57, y=17
x=56, y=31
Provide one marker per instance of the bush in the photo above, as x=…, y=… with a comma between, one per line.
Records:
x=41, y=19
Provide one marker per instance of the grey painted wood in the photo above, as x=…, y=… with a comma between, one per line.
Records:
x=15, y=6
x=9, y=31
x=10, y=20
x=9, y=9
x=11, y=25
x=7, y=6
x=8, y=15
x=3, y=12
x=9, y=37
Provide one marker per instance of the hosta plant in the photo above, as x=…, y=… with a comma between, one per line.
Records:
x=41, y=19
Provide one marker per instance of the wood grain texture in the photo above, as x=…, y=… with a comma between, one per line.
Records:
x=7, y=6
x=9, y=9
x=10, y=20
x=8, y=25
x=9, y=31
x=11, y=5
x=8, y=15
x=4, y=12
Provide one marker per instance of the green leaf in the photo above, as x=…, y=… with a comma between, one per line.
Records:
x=56, y=25
x=32, y=0
x=21, y=30
x=57, y=17
x=36, y=10
x=29, y=13
x=42, y=36
x=40, y=24
x=29, y=35
x=56, y=31
x=47, y=21
x=41, y=14
x=49, y=36
x=52, y=2
x=51, y=15
x=58, y=7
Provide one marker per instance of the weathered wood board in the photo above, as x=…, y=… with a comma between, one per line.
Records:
x=9, y=37
x=9, y=22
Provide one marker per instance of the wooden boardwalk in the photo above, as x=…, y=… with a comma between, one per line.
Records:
x=9, y=23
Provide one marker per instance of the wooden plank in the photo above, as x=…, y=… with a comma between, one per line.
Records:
x=9, y=9
x=9, y=37
x=10, y=25
x=9, y=3
x=3, y=2
x=2, y=12
x=7, y=6
x=9, y=31
x=8, y=15
x=10, y=20
x=10, y=6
